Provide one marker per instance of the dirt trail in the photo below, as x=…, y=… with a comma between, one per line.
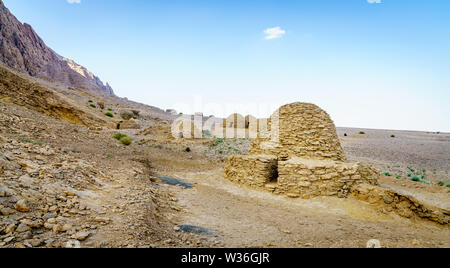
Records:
x=250, y=218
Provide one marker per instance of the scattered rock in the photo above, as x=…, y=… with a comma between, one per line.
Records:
x=10, y=228
x=73, y=244
x=8, y=239
x=101, y=220
x=57, y=228
x=23, y=228
x=22, y=206
x=81, y=236
x=67, y=227
x=373, y=243
x=6, y=211
x=5, y=191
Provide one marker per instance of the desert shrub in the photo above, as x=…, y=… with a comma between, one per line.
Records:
x=448, y=185
x=110, y=109
x=156, y=146
x=217, y=142
x=187, y=149
x=109, y=114
x=415, y=178
x=24, y=139
x=93, y=106
x=28, y=140
x=441, y=183
x=362, y=132
x=109, y=155
x=398, y=176
x=125, y=140
x=119, y=136
x=392, y=136
x=90, y=101
x=387, y=174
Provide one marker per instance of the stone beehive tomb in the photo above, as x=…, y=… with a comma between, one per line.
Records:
x=302, y=157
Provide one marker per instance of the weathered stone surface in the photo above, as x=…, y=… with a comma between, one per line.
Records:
x=302, y=157
x=402, y=204
x=254, y=171
x=302, y=130
x=314, y=177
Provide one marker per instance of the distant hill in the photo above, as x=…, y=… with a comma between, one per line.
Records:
x=23, y=50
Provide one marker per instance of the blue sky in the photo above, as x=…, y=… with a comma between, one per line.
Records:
x=370, y=65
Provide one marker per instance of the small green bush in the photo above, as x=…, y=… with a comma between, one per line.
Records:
x=119, y=136
x=362, y=132
x=415, y=178
x=90, y=101
x=217, y=142
x=448, y=185
x=28, y=140
x=110, y=109
x=109, y=114
x=109, y=155
x=93, y=106
x=441, y=183
x=188, y=149
x=398, y=177
x=392, y=136
x=156, y=146
x=126, y=140
x=387, y=174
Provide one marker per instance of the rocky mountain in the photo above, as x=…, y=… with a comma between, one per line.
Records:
x=23, y=50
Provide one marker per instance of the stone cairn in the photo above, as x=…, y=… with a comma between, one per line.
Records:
x=301, y=157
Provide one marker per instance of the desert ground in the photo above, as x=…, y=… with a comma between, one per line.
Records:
x=83, y=168
x=66, y=182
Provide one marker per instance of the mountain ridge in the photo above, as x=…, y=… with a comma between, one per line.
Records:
x=23, y=50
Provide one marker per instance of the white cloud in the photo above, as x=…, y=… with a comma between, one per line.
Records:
x=374, y=1
x=74, y=1
x=274, y=33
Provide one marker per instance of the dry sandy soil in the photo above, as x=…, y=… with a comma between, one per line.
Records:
x=73, y=185
x=415, y=149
